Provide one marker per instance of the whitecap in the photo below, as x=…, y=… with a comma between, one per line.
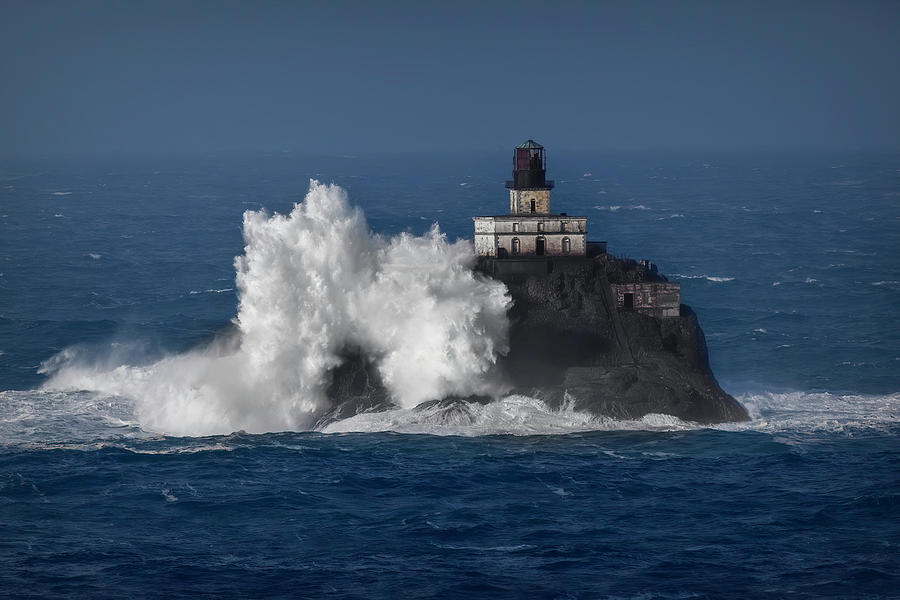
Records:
x=511, y=415
x=713, y=278
x=804, y=412
x=94, y=255
x=211, y=291
x=60, y=193
x=91, y=421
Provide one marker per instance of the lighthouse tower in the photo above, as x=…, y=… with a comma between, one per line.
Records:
x=529, y=190
x=530, y=230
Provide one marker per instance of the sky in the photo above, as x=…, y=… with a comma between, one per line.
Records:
x=129, y=77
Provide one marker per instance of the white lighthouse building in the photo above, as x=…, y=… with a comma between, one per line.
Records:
x=530, y=229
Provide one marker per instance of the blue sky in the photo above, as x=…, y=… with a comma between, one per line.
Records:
x=352, y=77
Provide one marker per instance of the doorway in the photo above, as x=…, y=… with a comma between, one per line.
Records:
x=539, y=246
x=628, y=302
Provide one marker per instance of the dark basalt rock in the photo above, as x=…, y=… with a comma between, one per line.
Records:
x=355, y=387
x=570, y=343
x=568, y=338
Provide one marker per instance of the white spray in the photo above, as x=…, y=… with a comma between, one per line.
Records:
x=312, y=284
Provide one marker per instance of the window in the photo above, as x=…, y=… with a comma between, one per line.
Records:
x=532, y=206
x=567, y=245
x=515, y=246
x=515, y=227
x=540, y=225
x=562, y=226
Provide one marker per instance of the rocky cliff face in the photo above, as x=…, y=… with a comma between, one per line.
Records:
x=568, y=337
x=570, y=343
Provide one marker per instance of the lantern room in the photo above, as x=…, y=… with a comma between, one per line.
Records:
x=529, y=168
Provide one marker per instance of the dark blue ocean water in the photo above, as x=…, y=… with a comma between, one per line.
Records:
x=790, y=260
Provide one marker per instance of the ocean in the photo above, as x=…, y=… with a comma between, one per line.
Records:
x=166, y=324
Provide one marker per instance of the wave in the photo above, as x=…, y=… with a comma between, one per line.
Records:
x=211, y=291
x=817, y=411
x=771, y=412
x=90, y=420
x=615, y=207
x=311, y=285
x=511, y=415
x=713, y=278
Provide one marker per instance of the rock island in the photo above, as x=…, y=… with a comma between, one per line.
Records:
x=590, y=331
x=607, y=333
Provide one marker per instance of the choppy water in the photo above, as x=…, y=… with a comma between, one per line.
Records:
x=108, y=267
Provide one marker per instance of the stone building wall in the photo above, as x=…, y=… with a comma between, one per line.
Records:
x=660, y=299
x=494, y=236
x=520, y=201
x=553, y=244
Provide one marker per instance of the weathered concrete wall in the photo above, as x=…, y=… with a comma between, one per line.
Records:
x=553, y=243
x=546, y=224
x=485, y=245
x=520, y=202
x=485, y=238
x=494, y=236
x=658, y=299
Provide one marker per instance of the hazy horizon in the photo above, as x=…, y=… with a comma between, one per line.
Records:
x=116, y=78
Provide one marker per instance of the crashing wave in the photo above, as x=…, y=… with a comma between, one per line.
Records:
x=311, y=284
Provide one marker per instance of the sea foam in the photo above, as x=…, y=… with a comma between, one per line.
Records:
x=312, y=285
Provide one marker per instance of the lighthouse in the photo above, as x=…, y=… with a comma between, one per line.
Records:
x=530, y=229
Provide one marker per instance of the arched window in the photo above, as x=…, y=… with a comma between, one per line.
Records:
x=567, y=245
x=515, y=246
